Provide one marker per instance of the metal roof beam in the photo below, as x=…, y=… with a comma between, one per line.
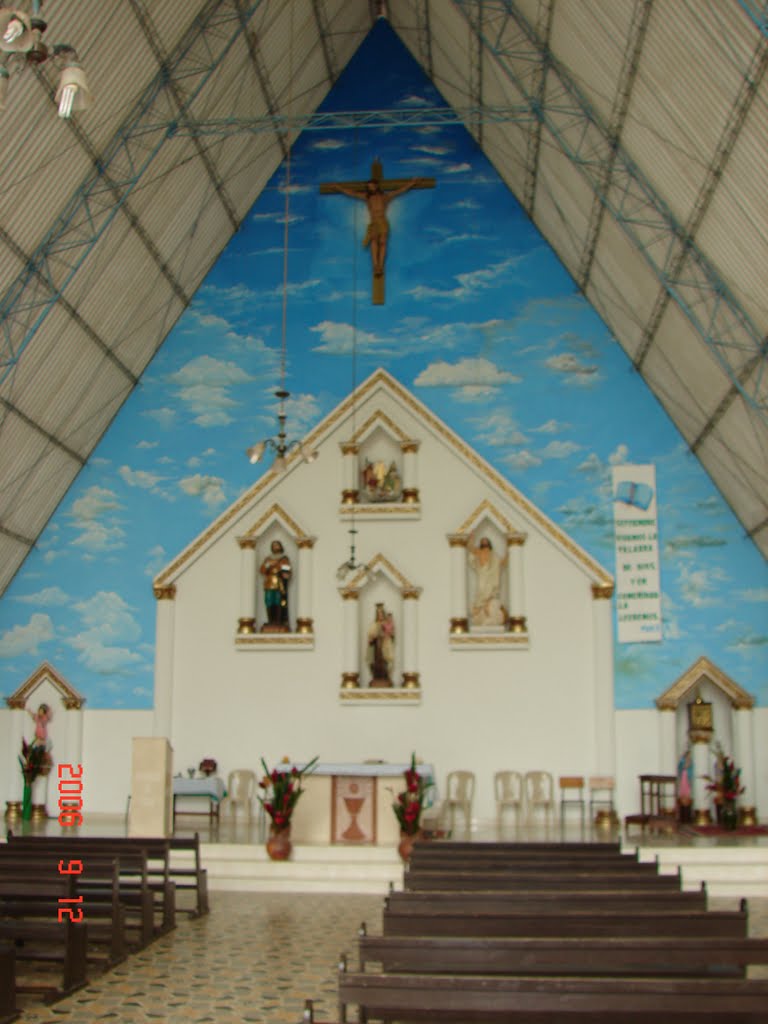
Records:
x=701, y=293
x=533, y=139
x=150, y=33
x=93, y=206
x=326, y=40
x=475, y=127
x=424, y=37
x=265, y=85
x=55, y=441
x=26, y=541
x=344, y=120
x=627, y=77
x=756, y=11
x=741, y=107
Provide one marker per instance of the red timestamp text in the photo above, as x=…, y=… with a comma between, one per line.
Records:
x=70, y=795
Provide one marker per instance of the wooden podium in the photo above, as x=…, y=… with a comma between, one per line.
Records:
x=151, y=807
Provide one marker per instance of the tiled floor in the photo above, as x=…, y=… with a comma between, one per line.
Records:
x=256, y=958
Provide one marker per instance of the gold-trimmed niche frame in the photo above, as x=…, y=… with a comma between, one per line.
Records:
x=409, y=505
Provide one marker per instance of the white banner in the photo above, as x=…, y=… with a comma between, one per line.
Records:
x=638, y=589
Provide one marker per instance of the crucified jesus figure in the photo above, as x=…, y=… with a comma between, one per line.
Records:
x=377, y=193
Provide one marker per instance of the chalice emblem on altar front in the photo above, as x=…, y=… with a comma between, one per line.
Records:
x=354, y=805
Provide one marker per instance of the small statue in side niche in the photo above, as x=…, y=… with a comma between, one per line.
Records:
x=41, y=718
x=381, y=482
x=276, y=570
x=487, y=609
x=381, y=647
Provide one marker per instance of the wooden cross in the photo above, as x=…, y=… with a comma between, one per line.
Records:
x=377, y=193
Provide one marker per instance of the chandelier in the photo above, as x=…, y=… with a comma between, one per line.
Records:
x=280, y=443
x=21, y=43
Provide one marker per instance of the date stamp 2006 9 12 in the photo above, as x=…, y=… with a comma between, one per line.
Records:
x=70, y=815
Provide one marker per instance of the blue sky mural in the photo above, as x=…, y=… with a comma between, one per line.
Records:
x=481, y=321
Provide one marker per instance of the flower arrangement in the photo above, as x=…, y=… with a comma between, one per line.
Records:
x=727, y=784
x=282, y=789
x=410, y=803
x=207, y=766
x=34, y=760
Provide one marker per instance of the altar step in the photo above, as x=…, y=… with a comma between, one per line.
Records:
x=341, y=869
x=729, y=871
x=732, y=871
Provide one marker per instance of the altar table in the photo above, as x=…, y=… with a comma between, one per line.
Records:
x=352, y=803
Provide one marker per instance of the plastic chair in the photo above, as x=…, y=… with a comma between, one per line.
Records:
x=241, y=787
x=539, y=794
x=460, y=790
x=571, y=784
x=508, y=787
x=601, y=789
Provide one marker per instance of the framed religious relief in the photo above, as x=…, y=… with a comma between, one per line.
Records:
x=353, y=809
x=700, y=715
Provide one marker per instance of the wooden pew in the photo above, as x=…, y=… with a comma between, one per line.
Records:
x=532, y=880
x=615, y=955
x=475, y=999
x=120, y=913
x=142, y=866
x=179, y=857
x=8, y=1010
x=537, y=921
x=29, y=918
x=546, y=900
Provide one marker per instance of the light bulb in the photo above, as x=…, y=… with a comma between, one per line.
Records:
x=73, y=92
x=255, y=452
x=14, y=30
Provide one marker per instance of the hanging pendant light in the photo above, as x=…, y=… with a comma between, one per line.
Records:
x=280, y=443
x=21, y=40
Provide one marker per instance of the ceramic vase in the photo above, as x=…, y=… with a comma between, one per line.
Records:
x=279, y=844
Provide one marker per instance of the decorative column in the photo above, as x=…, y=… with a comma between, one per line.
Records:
x=246, y=624
x=410, y=480
x=16, y=781
x=304, y=622
x=517, y=622
x=700, y=730
x=165, y=621
x=605, y=712
x=75, y=729
x=459, y=620
x=410, y=636
x=668, y=756
x=742, y=723
x=350, y=677
x=350, y=494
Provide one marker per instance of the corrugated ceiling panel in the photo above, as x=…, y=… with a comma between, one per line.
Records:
x=735, y=229
x=36, y=475
x=451, y=53
x=679, y=106
x=12, y=554
x=590, y=41
x=105, y=393
x=562, y=203
x=505, y=147
x=171, y=20
x=622, y=285
x=247, y=171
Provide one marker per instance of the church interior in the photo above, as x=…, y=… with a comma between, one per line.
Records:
x=383, y=421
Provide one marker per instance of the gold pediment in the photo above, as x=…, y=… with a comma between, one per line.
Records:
x=703, y=670
x=45, y=672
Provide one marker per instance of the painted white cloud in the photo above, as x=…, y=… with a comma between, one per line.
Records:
x=156, y=559
x=203, y=385
x=470, y=371
x=147, y=444
x=568, y=364
x=97, y=537
x=550, y=427
x=26, y=639
x=328, y=144
x=95, y=502
x=559, y=449
x=337, y=338
x=92, y=516
x=139, y=478
x=106, y=644
x=470, y=282
x=701, y=587
x=47, y=597
x=499, y=430
x=758, y=594
x=209, y=488
x=619, y=455
x=163, y=417
x=457, y=168
x=522, y=459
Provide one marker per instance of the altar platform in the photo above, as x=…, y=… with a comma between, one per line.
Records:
x=236, y=860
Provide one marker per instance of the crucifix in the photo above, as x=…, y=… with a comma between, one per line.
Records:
x=377, y=193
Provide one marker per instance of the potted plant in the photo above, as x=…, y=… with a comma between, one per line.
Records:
x=408, y=807
x=35, y=761
x=282, y=789
x=727, y=787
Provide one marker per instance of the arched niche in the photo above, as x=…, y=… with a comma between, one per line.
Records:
x=261, y=622
x=379, y=598
x=380, y=470
x=487, y=581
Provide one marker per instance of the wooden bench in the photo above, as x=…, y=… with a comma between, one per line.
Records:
x=622, y=955
x=553, y=921
x=546, y=900
x=147, y=861
x=475, y=999
x=8, y=1010
x=29, y=918
x=119, y=910
x=531, y=880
